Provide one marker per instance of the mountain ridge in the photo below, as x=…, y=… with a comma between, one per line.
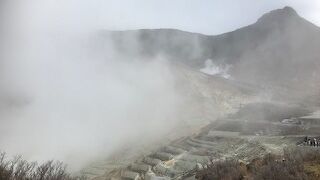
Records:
x=279, y=49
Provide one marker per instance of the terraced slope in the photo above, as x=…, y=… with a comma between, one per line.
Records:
x=180, y=158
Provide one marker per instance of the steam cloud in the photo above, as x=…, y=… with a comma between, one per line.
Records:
x=63, y=99
x=212, y=69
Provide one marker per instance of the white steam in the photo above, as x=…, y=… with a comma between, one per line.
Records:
x=213, y=69
x=62, y=99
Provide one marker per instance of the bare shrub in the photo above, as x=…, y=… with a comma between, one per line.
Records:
x=289, y=166
x=275, y=169
x=306, y=154
x=222, y=170
x=19, y=169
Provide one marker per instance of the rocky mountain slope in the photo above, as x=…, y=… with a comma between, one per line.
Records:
x=273, y=59
x=279, y=50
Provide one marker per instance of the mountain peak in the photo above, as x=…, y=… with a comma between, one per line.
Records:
x=289, y=10
x=281, y=15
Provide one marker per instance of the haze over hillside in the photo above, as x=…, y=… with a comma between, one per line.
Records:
x=79, y=95
x=280, y=49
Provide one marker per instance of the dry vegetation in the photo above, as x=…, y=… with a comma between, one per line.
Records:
x=294, y=164
x=229, y=169
x=19, y=169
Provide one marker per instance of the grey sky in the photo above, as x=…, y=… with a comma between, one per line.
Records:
x=204, y=16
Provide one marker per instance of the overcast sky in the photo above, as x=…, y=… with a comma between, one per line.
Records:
x=203, y=16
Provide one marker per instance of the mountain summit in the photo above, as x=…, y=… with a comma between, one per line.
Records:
x=280, y=14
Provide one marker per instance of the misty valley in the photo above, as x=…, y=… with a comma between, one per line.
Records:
x=157, y=103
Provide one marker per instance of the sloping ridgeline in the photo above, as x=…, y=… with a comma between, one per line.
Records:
x=279, y=50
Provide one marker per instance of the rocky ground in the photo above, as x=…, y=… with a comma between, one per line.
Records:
x=228, y=137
